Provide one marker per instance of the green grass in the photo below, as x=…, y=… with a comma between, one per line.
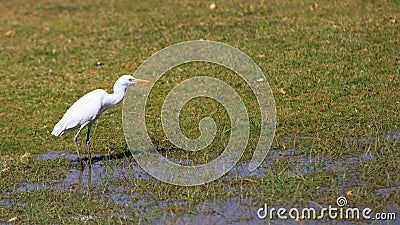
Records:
x=338, y=62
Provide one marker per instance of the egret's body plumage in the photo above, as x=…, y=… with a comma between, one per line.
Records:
x=89, y=107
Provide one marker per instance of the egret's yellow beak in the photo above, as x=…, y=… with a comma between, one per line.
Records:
x=139, y=81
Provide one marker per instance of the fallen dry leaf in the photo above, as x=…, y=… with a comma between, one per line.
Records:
x=163, y=139
x=9, y=33
x=282, y=91
x=26, y=155
x=69, y=76
x=12, y=219
x=7, y=158
x=213, y=6
x=349, y=192
x=5, y=169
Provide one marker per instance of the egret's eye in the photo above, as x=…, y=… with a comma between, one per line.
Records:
x=131, y=80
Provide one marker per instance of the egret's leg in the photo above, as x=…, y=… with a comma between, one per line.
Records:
x=89, y=177
x=79, y=180
x=88, y=146
x=76, y=146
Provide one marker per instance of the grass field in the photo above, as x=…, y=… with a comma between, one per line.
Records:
x=337, y=61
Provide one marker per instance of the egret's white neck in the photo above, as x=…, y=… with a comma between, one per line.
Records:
x=116, y=97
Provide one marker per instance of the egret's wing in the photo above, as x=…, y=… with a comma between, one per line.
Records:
x=82, y=112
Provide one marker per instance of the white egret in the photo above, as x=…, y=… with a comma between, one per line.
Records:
x=89, y=107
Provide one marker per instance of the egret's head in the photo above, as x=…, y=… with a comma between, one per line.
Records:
x=127, y=80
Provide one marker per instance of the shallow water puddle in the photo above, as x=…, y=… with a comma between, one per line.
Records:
x=301, y=164
x=130, y=170
x=389, y=135
x=231, y=210
x=100, y=171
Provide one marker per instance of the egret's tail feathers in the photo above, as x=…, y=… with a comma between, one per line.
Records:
x=56, y=131
x=59, y=129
